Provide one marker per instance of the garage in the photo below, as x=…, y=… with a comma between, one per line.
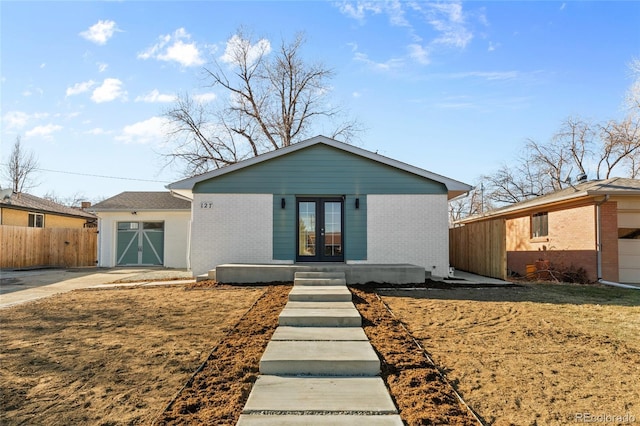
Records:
x=143, y=228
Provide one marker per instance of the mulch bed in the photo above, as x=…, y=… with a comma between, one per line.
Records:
x=418, y=389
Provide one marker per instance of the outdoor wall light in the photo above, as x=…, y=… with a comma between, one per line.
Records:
x=134, y=213
x=357, y=203
x=283, y=203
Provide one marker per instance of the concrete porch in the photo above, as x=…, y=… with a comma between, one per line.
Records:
x=241, y=273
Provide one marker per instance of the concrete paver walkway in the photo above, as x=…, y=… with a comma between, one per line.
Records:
x=319, y=367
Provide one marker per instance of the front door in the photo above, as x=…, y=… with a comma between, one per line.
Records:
x=320, y=230
x=140, y=243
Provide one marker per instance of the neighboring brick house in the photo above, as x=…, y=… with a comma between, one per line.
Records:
x=320, y=201
x=21, y=209
x=591, y=227
x=143, y=228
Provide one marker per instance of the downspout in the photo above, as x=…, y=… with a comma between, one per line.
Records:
x=599, y=235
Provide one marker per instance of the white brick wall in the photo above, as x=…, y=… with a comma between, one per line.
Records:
x=409, y=229
x=237, y=228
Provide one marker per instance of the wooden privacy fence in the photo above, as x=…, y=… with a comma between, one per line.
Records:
x=480, y=248
x=23, y=247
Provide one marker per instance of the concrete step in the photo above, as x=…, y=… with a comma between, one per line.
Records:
x=319, y=294
x=320, y=281
x=324, y=358
x=320, y=318
x=319, y=275
x=319, y=305
x=319, y=333
x=295, y=395
x=319, y=420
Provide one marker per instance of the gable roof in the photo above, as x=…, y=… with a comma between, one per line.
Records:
x=454, y=187
x=592, y=189
x=142, y=201
x=24, y=201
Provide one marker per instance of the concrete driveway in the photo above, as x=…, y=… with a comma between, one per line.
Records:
x=22, y=286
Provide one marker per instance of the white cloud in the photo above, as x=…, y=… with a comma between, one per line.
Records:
x=204, y=98
x=110, y=90
x=43, y=131
x=148, y=131
x=20, y=119
x=359, y=9
x=493, y=46
x=100, y=32
x=236, y=45
x=449, y=20
x=102, y=67
x=155, y=96
x=172, y=47
x=419, y=53
x=15, y=119
x=393, y=63
x=78, y=88
x=96, y=131
x=30, y=91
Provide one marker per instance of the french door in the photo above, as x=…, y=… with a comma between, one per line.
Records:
x=320, y=230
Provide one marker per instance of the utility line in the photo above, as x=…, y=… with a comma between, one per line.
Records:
x=100, y=176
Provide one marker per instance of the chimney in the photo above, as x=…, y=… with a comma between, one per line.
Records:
x=582, y=177
x=85, y=205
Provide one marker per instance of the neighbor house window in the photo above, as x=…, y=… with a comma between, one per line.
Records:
x=36, y=220
x=539, y=225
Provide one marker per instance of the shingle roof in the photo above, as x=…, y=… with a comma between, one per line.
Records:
x=132, y=200
x=612, y=186
x=30, y=202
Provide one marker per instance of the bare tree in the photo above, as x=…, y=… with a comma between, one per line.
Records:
x=73, y=200
x=620, y=145
x=271, y=100
x=21, y=169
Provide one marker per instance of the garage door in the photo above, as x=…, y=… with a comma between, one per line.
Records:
x=140, y=243
x=629, y=248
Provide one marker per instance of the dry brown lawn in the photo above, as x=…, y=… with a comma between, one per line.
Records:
x=107, y=357
x=534, y=354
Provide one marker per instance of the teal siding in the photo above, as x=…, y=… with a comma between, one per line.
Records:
x=319, y=170
x=355, y=228
x=284, y=228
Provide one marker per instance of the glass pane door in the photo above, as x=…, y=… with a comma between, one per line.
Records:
x=320, y=229
x=332, y=229
x=307, y=228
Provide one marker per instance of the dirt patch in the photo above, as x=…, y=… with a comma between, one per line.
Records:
x=533, y=354
x=108, y=357
x=416, y=386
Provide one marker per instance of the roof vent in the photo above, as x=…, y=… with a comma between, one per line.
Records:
x=582, y=177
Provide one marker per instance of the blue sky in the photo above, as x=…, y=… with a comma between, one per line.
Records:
x=452, y=87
